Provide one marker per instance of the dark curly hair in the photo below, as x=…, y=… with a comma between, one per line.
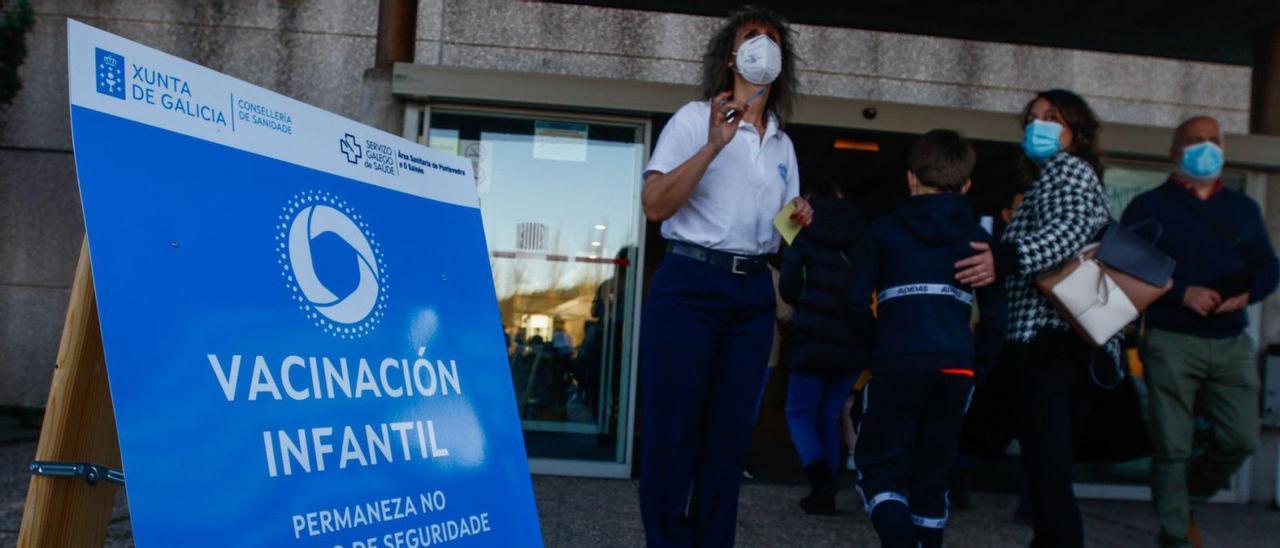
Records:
x=717, y=75
x=1082, y=122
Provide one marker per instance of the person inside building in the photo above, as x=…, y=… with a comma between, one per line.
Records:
x=721, y=171
x=1198, y=358
x=988, y=426
x=849, y=417
x=923, y=366
x=1063, y=208
x=824, y=352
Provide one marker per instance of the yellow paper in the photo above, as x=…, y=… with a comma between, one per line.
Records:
x=787, y=226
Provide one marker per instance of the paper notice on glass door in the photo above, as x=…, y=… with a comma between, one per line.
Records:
x=481, y=155
x=562, y=141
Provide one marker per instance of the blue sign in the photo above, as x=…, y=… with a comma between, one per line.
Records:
x=300, y=326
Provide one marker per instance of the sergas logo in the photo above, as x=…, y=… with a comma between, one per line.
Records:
x=348, y=146
x=319, y=235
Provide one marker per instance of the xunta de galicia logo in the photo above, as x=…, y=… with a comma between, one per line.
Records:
x=109, y=73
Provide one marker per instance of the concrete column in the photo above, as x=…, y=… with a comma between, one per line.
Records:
x=1264, y=118
x=1264, y=111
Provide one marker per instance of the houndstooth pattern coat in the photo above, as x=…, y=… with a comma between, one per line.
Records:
x=1061, y=212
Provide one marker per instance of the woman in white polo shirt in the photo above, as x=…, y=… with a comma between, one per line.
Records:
x=721, y=171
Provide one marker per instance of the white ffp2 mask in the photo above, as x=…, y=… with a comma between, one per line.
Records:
x=759, y=60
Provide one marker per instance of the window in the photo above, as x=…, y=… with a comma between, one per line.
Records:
x=559, y=197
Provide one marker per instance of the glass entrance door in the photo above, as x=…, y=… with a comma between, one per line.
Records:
x=559, y=196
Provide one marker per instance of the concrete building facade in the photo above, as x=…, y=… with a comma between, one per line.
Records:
x=323, y=52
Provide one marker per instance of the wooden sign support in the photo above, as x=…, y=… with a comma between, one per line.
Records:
x=79, y=426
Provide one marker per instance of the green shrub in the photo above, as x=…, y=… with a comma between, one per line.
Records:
x=15, y=24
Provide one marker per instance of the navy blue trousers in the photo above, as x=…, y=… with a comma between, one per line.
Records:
x=907, y=440
x=705, y=342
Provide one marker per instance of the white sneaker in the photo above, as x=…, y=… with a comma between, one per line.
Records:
x=746, y=474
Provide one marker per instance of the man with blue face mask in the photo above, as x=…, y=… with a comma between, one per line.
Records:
x=1198, y=358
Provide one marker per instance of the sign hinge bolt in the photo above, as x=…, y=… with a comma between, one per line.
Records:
x=91, y=473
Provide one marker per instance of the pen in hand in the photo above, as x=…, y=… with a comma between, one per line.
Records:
x=729, y=115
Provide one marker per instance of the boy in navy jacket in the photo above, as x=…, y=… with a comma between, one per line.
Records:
x=922, y=365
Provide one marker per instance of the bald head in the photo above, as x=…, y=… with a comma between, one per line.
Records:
x=1194, y=169
x=1196, y=130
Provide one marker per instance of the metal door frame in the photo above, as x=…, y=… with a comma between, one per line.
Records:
x=1137, y=146
x=417, y=122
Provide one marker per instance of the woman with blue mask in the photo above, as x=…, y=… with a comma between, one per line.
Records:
x=1063, y=209
x=720, y=172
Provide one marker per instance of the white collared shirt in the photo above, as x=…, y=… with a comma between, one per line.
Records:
x=733, y=206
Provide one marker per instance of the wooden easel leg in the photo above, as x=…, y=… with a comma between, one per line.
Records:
x=79, y=426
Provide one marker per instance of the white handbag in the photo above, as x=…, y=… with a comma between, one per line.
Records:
x=1089, y=298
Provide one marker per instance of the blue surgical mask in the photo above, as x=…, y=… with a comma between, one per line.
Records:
x=1040, y=140
x=1201, y=162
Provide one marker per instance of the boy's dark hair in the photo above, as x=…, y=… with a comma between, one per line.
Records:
x=942, y=160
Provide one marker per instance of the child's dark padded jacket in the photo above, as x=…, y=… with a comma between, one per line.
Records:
x=815, y=276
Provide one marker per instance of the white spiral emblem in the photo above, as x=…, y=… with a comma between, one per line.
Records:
x=307, y=216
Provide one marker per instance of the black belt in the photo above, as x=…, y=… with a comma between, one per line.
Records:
x=737, y=264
